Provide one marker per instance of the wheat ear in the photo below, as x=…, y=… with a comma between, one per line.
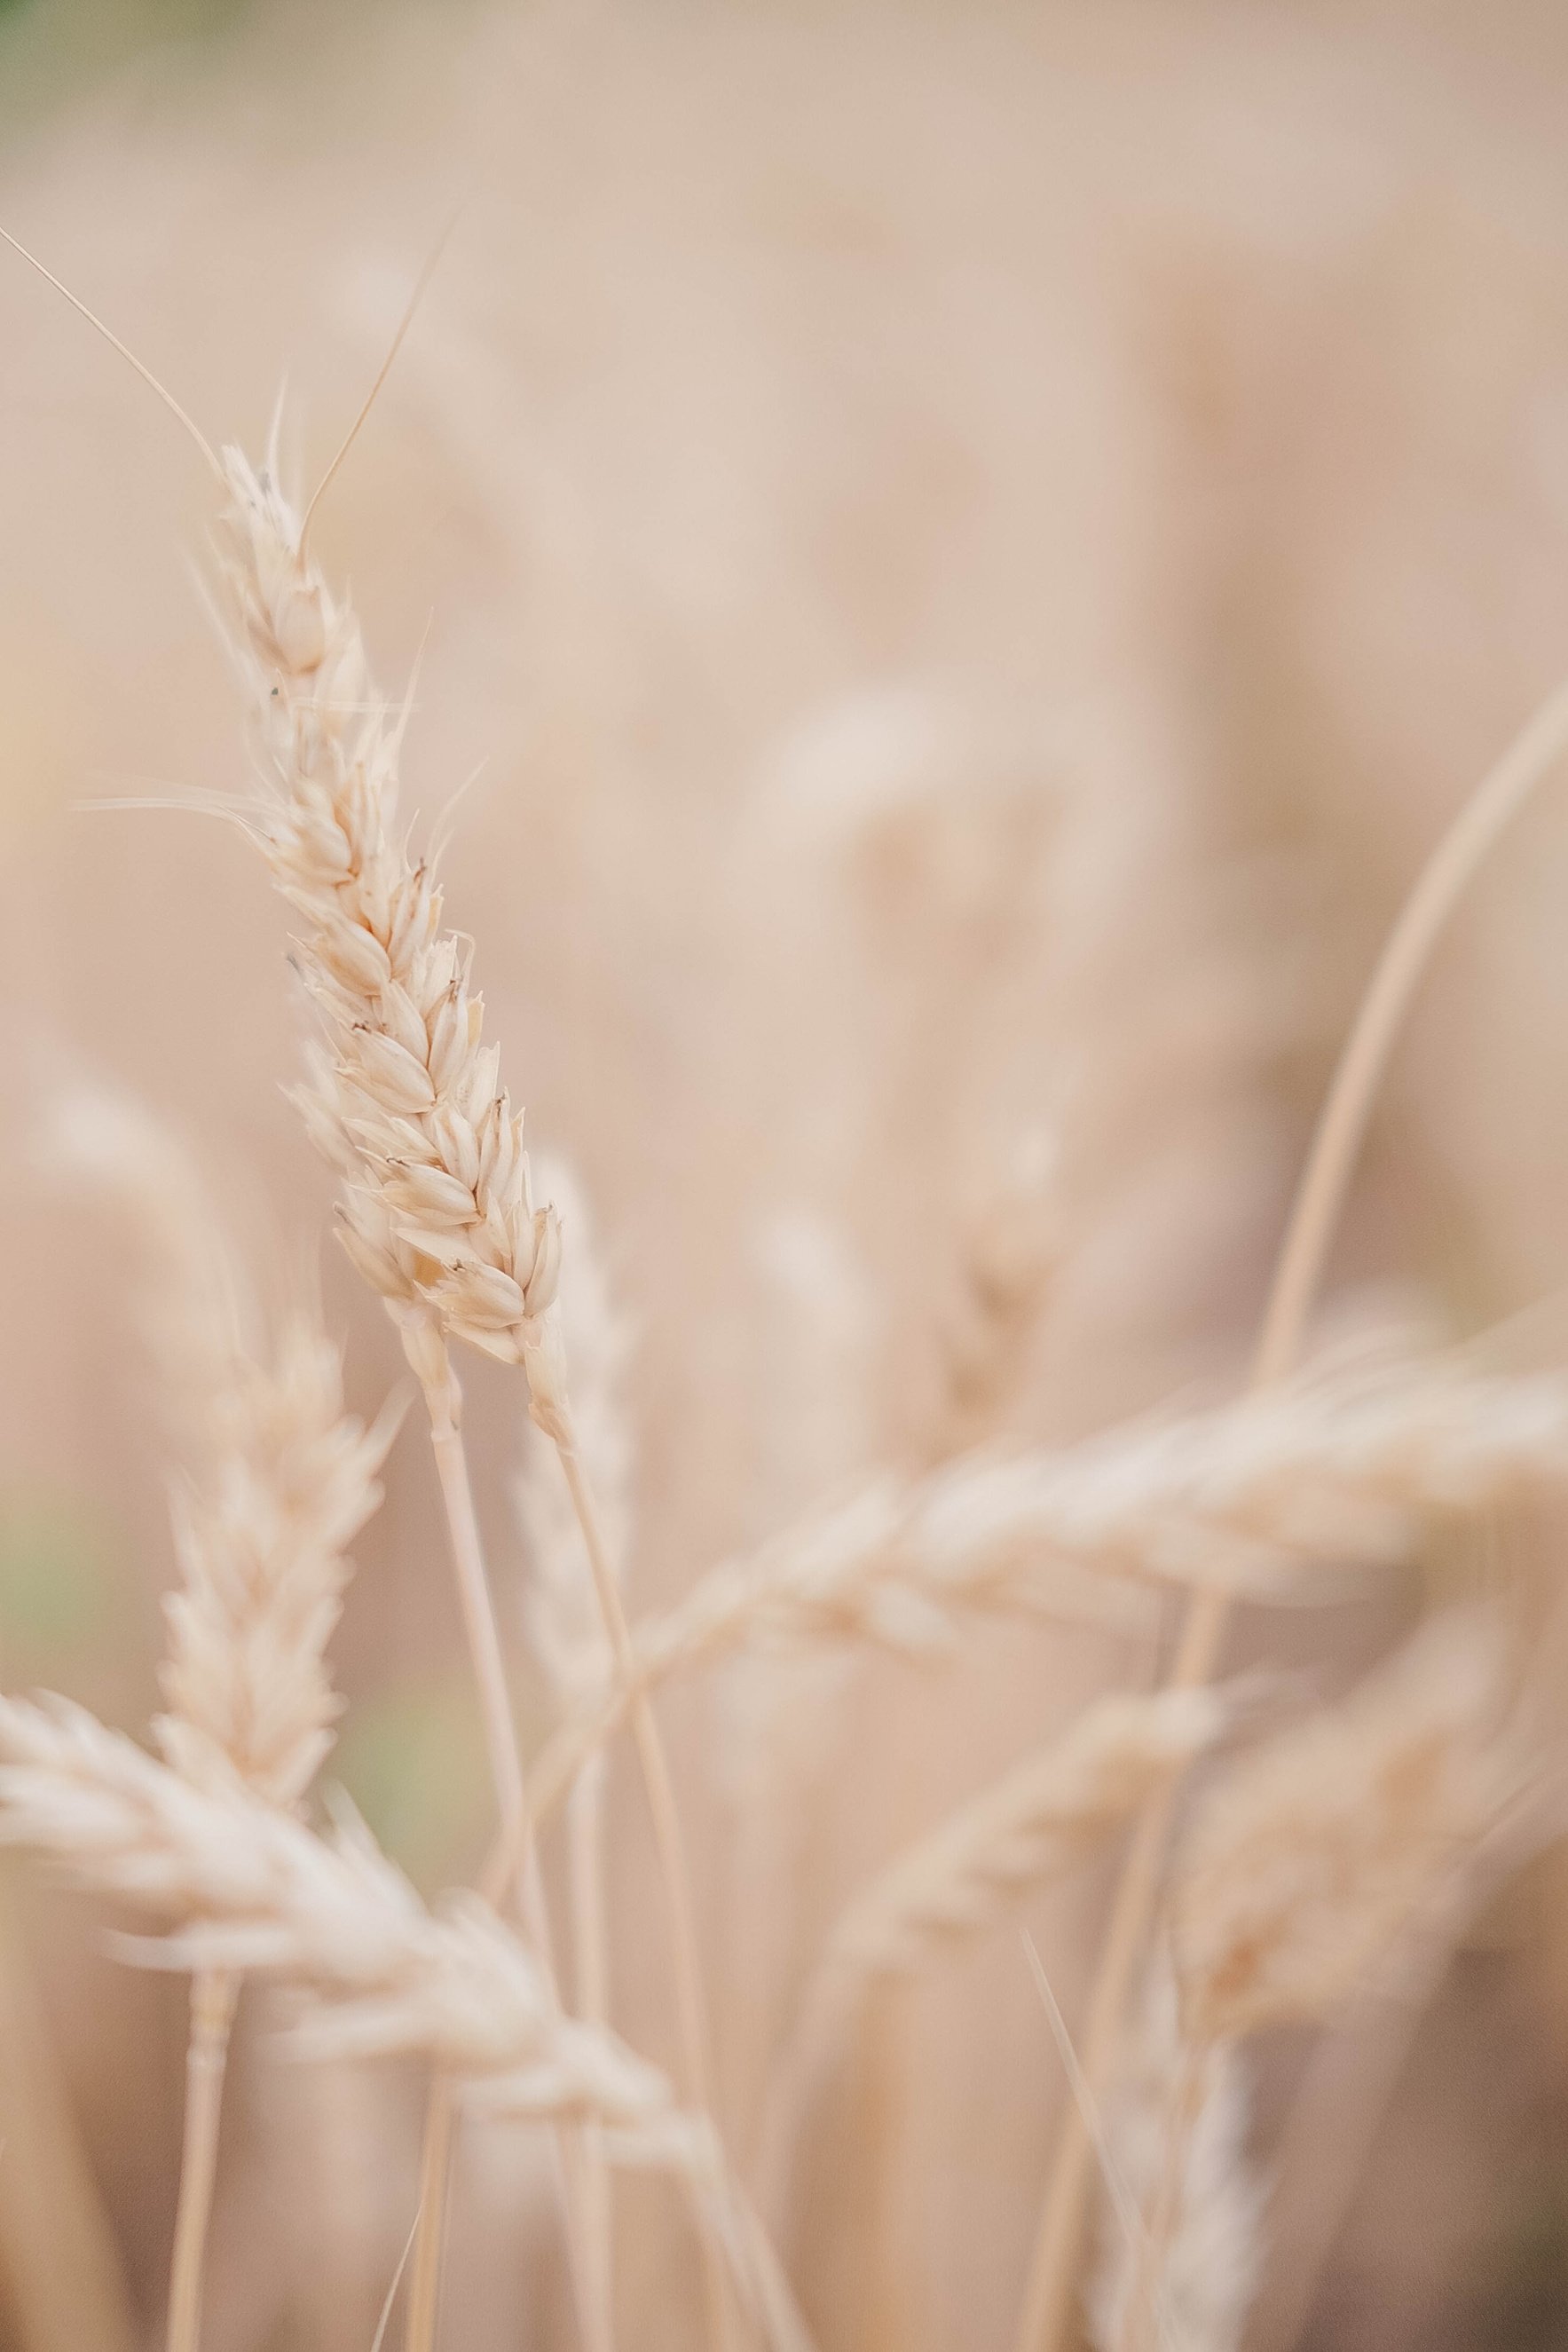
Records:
x=1303, y=1870
x=437, y=1214
x=246, y=1886
x=1502, y=793
x=262, y=1547
x=1349, y=1462
x=967, y=1874
x=282, y=1481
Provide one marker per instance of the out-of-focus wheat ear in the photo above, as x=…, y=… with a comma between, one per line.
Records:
x=1010, y=1245
x=281, y=1481
x=1503, y=792
x=1175, y=2134
x=241, y=1885
x=968, y=1874
x=1350, y=1463
x=1304, y=1866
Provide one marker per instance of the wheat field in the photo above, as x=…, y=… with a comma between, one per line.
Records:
x=784, y=814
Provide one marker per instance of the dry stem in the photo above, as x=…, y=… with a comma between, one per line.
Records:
x=214, y=1992
x=668, y=1842
x=585, y=1873
x=444, y=1399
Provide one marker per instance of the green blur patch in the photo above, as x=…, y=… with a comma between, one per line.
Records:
x=413, y=1762
x=59, y=1592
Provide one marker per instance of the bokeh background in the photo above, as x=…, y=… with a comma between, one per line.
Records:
x=958, y=557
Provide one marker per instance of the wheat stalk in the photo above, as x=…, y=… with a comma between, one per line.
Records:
x=567, y=1633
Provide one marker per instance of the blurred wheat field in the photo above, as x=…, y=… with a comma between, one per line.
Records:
x=954, y=563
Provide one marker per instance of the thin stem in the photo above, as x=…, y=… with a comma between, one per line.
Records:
x=213, y=1993
x=668, y=1842
x=434, y=2169
x=585, y=1874
x=1315, y=1215
x=443, y=1397
x=445, y=1401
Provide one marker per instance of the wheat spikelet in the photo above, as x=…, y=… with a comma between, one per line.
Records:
x=1303, y=1867
x=403, y=1097
x=246, y=1886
